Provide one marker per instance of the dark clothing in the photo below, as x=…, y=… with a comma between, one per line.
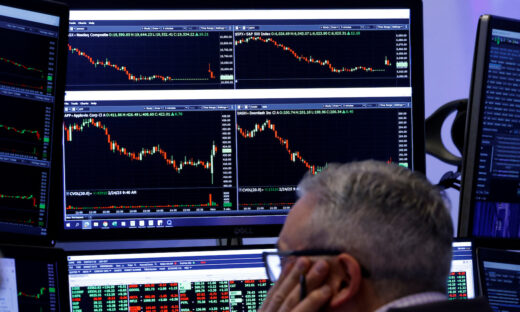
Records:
x=474, y=305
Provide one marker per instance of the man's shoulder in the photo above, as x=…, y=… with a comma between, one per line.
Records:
x=474, y=305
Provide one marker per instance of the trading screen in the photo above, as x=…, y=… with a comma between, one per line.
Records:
x=27, y=93
x=168, y=281
x=194, y=118
x=28, y=285
x=501, y=281
x=497, y=189
x=461, y=280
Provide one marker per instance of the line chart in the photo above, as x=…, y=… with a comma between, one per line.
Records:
x=311, y=60
x=293, y=155
x=30, y=198
x=21, y=200
x=24, y=128
x=35, y=285
x=177, y=165
x=22, y=85
x=36, y=133
x=37, y=295
x=19, y=65
x=135, y=77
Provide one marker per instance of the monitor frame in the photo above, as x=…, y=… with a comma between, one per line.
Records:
x=44, y=254
x=94, y=252
x=269, y=230
x=473, y=130
x=56, y=173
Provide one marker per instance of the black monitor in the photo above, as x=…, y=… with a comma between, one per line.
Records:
x=499, y=275
x=165, y=280
x=462, y=283
x=201, y=122
x=32, y=79
x=490, y=198
x=33, y=279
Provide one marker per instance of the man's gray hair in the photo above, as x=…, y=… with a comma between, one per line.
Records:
x=392, y=220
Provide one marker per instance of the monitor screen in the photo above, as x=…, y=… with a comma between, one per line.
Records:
x=461, y=281
x=500, y=278
x=490, y=204
x=210, y=118
x=31, y=97
x=226, y=280
x=30, y=279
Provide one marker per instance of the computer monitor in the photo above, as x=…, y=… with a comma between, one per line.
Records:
x=204, y=280
x=32, y=279
x=461, y=281
x=202, y=122
x=490, y=198
x=499, y=275
x=32, y=69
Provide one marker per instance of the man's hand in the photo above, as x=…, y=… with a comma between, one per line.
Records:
x=285, y=294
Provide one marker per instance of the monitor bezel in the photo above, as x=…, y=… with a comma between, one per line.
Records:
x=55, y=183
x=38, y=253
x=93, y=252
x=270, y=230
x=473, y=129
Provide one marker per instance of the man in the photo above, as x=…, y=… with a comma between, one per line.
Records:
x=380, y=239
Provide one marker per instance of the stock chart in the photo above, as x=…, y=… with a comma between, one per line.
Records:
x=21, y=192
x=124, y=61
x=279, y=149
x=21, y=68
x=144, y=151
x=289, y=59
x=24, y=128
x=275, y=151
x=36, y=286
x=145, y=162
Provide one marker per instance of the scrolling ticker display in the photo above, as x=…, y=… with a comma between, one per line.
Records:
x=27, y=93
x=273, y=102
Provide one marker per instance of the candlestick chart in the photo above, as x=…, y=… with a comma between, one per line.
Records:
x=21, y=199
x=23, y=126
x=172, y=162
x=21, y=67
x=278, y=150
x=316, y=59
x=137, y=61
x=130, y=152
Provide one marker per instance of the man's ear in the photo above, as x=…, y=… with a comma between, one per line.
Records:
x=350, y=280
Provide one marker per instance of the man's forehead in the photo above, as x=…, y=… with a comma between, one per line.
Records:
x=296, y=225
